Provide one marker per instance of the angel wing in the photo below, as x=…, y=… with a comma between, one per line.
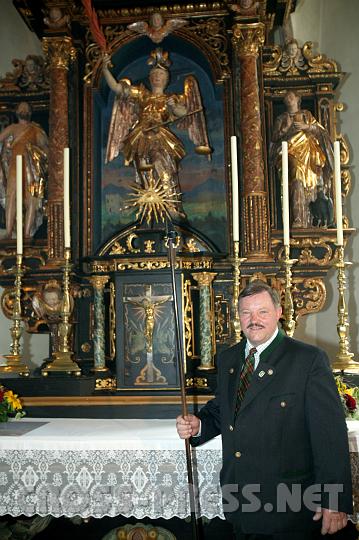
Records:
x=195, y=121
x=173, y=24
x=123, y=117
x=141, y=27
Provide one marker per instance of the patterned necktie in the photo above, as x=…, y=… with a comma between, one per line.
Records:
x=245, y=378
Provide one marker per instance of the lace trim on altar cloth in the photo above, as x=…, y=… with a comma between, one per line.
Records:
x=141, y=483
x=95, y=483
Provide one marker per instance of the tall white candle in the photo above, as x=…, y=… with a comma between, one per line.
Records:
x=338, y=194
x=67, y=238
x=235, y=193
x=285, y=193
x=19, y=247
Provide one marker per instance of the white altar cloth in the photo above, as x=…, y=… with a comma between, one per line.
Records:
x=100, y=467
x=98, y=434
x=103, y=468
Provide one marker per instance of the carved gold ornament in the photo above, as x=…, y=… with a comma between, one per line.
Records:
x=155, y=201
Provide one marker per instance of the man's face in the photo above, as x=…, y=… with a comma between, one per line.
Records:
x=259, y=317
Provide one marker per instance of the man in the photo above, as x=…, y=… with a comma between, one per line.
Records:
x=27, y=139
x=283, y=430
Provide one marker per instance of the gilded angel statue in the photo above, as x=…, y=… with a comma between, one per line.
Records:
x=140, y=127
x=157, y=29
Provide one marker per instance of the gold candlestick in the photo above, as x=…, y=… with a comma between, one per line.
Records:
x=13, y=360
x=288, y=311
x=343, y=360
x=63, y=358
x=236, y=261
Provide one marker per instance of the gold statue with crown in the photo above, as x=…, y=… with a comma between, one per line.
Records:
x=140, y=129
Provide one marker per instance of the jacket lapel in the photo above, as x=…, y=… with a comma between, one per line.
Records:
x=266, y=370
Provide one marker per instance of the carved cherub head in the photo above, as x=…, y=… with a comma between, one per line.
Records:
x=156, y=20
x=48, y=301
x=292, y=48
x=55, y=18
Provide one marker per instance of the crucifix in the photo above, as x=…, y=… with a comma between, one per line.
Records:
x=149, y=305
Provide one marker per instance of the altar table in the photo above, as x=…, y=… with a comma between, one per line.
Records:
x=99, y=467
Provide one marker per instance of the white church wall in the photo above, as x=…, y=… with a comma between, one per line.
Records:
x=329, y=23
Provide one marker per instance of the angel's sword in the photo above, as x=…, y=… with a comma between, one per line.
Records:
x=172, y=121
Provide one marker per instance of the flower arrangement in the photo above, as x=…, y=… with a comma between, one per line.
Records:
x=10, y=405
x=349, y=397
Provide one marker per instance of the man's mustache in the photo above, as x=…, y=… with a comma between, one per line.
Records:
x=255, y=326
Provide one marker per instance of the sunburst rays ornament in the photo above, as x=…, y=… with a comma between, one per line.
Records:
x=155, y=199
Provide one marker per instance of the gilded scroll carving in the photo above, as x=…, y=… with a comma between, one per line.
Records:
x=292, y=60
x=29, y=75
x=309, y=295
x=213, y=33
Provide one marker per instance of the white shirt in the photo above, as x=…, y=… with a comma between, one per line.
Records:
x=260, y=348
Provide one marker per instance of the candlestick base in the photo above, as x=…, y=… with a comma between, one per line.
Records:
x=14, y=365
x=345, y=364
x=62, y=362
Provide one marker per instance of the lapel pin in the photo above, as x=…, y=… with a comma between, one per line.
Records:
x=270, y=372
x=261, y=374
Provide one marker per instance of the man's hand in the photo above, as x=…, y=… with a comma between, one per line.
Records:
x=332, y=521
x=187, y=426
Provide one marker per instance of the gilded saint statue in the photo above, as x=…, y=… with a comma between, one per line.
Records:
x=29, y=140
x=141, y=122
x=310, y=159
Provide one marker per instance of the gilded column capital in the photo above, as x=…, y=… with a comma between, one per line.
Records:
x=59, y=51
x=98, y=282
x=204, y=278
x=248, y=38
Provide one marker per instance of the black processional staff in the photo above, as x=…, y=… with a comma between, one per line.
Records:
x=171, y=238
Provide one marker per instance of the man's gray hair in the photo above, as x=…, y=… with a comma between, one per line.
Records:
x=258, y=286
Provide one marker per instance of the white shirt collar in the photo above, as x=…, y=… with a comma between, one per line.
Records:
x=260, y=348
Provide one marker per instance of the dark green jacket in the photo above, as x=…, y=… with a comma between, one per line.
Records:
x=290, y=430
